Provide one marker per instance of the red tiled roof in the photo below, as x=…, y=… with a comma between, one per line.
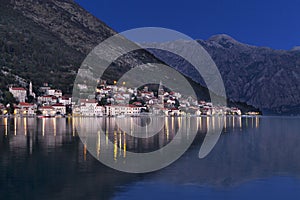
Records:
x=126, y=106
x=147, y=92
x=47, y=96
x=132, y=106
x=25, y=104
x=18, y=88
x=65, y=98
x=58, y=105
x=47, y=107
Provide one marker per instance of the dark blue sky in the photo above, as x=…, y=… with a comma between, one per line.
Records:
x=274, y=24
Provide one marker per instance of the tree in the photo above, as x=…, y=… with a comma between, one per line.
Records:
x=8, y=98
x=103, y=101
x=30, y=99
x=8, y=101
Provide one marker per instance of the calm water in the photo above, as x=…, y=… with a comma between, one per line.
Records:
x=255, y=158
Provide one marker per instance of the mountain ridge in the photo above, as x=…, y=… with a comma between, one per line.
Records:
x=46, y=41
x=263, y=77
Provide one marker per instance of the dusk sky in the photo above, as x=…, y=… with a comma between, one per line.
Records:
x=273, y=24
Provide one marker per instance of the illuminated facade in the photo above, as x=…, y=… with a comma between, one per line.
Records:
x=19, y=93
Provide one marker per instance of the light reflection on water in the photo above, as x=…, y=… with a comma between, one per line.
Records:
x=54, y=131
x=44, y=158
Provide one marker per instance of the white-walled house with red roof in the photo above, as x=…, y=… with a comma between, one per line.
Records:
x=45, y=99
x=65, y=100
x=48, y=111
x=90, y=107
x=19, y=93
x=127, y=109
x=59, y=108
x=27, y=109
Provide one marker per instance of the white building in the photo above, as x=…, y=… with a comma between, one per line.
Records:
x=99, y=111
x=47, y=111
x=59, y=108
x=19, y=93
x=31, y=93
x=114, y=110
x=58, y=93
x=45, y=99
x=50, y=92
x=90, y=107
x=65, y=100
x=26, y=109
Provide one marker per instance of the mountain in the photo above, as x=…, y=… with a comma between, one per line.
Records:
x=263, y=77
x=47, y=40
x=31, y=50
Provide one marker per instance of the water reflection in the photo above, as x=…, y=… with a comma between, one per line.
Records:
x=55, y=131
x=43, y=158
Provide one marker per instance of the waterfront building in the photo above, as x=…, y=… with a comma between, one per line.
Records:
x=19, y=93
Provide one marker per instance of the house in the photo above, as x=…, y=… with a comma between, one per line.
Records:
x=114, y=110
x=65, y=100
x=50, y=92
x=58, y=93
x=45, y=88
x=19, y=93
x=45, y=99
x=236, y=111
x=99, y=111
x=47, y=111
x=88, y=107
x=54, y=100
x=172, y=112
x=59, y=108
x=120, y=100
x=26, y=109
x=147, y=94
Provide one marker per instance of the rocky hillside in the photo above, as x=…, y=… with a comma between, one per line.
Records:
x=266, y=78
x=47, y=40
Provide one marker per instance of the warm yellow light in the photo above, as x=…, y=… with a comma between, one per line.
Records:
x=257, y=122
x=98, y=144
x=115, y=82
x=124, y=145
x=54, y=126
x=106, y=137
x=5, y=125
x=115, y=146
x=84, y=152
x=25, y=126
x=73, y=127
x=167, y=128
x=15, y=126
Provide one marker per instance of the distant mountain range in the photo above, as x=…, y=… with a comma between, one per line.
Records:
x=265, y=78
x=47, y=40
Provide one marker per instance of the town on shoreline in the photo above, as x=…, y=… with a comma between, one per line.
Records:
x=114, y=100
